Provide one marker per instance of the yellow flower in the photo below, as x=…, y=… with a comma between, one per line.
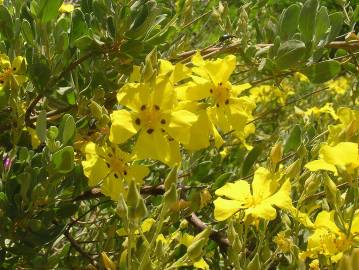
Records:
x=10, y=73
x=186, y=240
x=226, y=110
x=66, y=8
x=348, y=128
x=339, y=85
x=266, y=193
x=301, y=77
x=155, y=117
x=111, y=168
x=327, y=108
x=328, y=240
x=283, y=242
x=314, y=265
x=344, y=156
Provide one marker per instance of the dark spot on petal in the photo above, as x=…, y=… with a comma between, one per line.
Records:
x=170, y=139
x=163, y=130
x=14, y=68
x=220, y=83
x=163, y=121
x=1, y=81
x=217, y=105
x=143, y=107
x=109, y=155
x=226, y=102
x=138, y=121
x=157, y=108
x=108, y=165
x=125, y=172
x=211, y=90
x=150, y=130
x=116, y=175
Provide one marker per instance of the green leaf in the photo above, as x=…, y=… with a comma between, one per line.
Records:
x=6, y=23
x=39, y=73
x=322, y=25
x=294, y=139
x=79, y=26
x=290, y=53
x=50, y=10
x=323, y=71
x=221, y=180
x=250, y=159
x=68, y=128
x=27, y=32
x=307, y=19
x=63, y=160
x=289, y=22
x=336, y=24
x=41, y=126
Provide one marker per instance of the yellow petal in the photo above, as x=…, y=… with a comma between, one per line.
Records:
x=112, y=187
x=134, y=95
x=137, y=172
x=66, y=8
x=179, y=125
x=201, y=264
x=320, y=164
x=226, y=66
x=239, y=190
x=224, y=209
x=122, y=127
x=342, y=154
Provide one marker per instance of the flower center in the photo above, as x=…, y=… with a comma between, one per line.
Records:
x=118, y=166
x=221, y=94
x=150, y=117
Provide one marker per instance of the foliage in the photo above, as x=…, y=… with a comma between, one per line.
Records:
x=179, y=134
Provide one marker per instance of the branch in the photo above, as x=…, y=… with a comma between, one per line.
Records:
x=78, y=248
x=216, y=236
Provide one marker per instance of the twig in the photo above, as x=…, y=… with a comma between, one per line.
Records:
x=216, y=236
x=78, y=248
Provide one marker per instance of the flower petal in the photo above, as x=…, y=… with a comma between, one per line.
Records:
x=239, y=190
x=320, y=164
x=224, y=209
x=122, y=127
x=179, y=125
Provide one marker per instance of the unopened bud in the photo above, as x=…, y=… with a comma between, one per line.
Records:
x=122, y=209
x=276, y=154
x=170, y=197
x=133, y=195
x=254, y=264
x=141, y=209
x=194, y=251
x=331, y=190
x=171, y=178
x=311, y=184
x=96, y=109
x=204, y=234
x=293, y=169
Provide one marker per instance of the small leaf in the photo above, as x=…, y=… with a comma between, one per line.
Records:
x=307, y=19
x=290, y=53
x=289, y=22
x=250, y=159
x=6, y=23
x=68, y=128
x=63, y=160
x=336, y=24
x=39, y=73
x=79, y=26
x=50, y=10
x=221, y=180
x=41, y=126
x=294, y=139
x=323, y=71
x=322, y=25
x=27, y=31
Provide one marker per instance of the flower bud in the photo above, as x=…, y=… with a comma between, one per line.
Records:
x=170, y=197
x=133, y=195
x=171, y=178
x=331, y=190
x=122, y=209
x=108, y=263
x=254, y=264
x=194, y=251
x=276, y=154
x=293, y=169
x=203, y=234
x=141, y=209
x=311, y=184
